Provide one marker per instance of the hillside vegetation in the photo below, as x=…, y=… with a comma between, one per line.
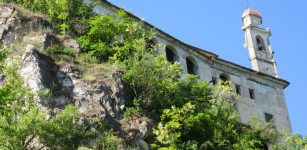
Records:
x=112, y=90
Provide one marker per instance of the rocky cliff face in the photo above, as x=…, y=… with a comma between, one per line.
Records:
x=98, y=99
x=26, y=36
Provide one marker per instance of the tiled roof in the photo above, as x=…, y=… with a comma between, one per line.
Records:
x=250, y=11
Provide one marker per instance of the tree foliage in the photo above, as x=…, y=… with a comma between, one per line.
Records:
x=2, y=57
x=69, y=16
x=12, y=89
x=116, y=38
x=288, y=141
x=21, y=122
x=149, y=82
x=62, y=131
x=24, y=125
x=215, y=127
x=190, y=113
x=106, y=141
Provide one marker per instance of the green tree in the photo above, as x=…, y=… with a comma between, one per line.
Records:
x=150, y=82
x=62, y=131
x=290, y=142
x=12, y=89
x=69, y=16
x=21, y=122
x=192, y=115
x=26, y=124
x=116, y=37
x=2, y=58
x=106, y=141
x=194, y=126
x=19, y=127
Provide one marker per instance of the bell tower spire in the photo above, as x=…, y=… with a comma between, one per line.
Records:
x=258, y=43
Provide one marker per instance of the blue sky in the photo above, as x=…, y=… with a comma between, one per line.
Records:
x=215, y=25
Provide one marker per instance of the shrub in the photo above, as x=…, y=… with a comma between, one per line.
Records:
x=194, y=126
x=24, y=124
x=63, y=14
x=3, y=55
x=192, y=115
x=87, y=58
x=130, y=111
x=150, y=82
x=58, y=50
x=13, y=90
x=61, y=54
x=115, y=37
x=107, y=141
x=62, y=131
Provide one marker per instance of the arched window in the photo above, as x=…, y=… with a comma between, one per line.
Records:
x=191, y=66
x=260, y=43
x=224, y=78
x=170, y=54
x=151, y=44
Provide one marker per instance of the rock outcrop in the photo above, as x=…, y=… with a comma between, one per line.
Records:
x=15, y=24
x=102, y=100
x=58, y=85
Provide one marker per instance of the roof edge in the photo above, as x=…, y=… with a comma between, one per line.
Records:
x=205, y=53
x=285, y=83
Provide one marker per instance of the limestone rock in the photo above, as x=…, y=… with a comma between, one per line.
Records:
x=71, y=43
x=36, y=69
x=14, y=27
x=6, y=12
x=103, y=99
x=41, y=40
x=94, y=101
x=136, y=128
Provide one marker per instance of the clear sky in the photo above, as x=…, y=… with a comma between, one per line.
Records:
x=215, y=25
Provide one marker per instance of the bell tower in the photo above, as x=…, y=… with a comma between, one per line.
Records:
x=258, y=43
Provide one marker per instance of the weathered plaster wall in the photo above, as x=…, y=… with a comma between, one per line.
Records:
x=269, y=95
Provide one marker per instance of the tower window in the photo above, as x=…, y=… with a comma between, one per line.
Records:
x=170, y=55
x=191, y=67
x=260, y=43
x=238, y=89
x=251, y=93
x=268, y=117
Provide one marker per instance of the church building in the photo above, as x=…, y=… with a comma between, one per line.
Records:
x=261, y=92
